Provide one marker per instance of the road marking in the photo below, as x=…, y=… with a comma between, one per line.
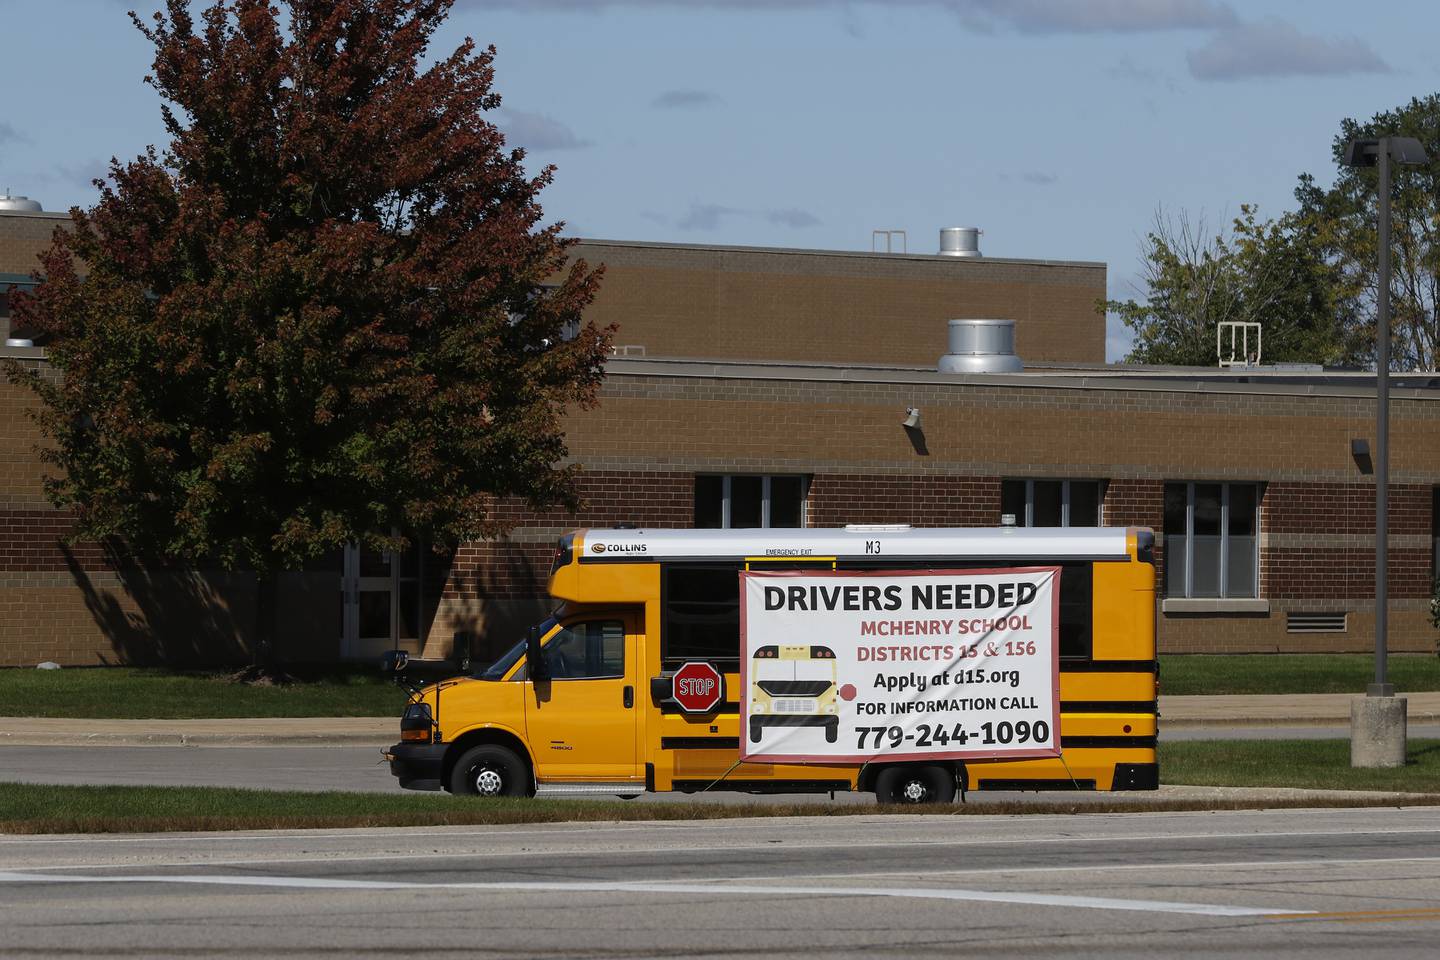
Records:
x=590, y=830
x=709, y=889
x=973, y=871
x=1364, y=916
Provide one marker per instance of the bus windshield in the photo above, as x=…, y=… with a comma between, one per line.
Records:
x=498, y=669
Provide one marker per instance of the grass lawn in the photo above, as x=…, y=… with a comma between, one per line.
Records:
x=149, y=693
x=153, y=693
x=31, y=808
x=1292, y=673
x=1314, y=764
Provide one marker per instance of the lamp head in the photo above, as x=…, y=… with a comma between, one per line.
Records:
x=1366, y=153
x=912, y=418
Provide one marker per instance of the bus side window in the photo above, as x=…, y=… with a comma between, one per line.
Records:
x=1077, y=611
x=592, y=650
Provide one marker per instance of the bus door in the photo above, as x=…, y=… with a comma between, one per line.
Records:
x=583, y=723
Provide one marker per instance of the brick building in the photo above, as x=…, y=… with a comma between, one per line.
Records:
x=768, y=387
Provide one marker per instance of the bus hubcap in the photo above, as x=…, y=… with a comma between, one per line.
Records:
x=914, y=791
x=488, y=783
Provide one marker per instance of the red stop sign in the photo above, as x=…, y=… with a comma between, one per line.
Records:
x=698, y=687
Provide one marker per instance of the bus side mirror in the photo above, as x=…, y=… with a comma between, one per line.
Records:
x=394, y=661
x=462, y=650
x=535, y=661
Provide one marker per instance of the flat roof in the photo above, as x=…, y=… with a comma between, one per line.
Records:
x=1235, y=380
x=810, y=252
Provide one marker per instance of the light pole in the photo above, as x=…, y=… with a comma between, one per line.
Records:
x=1377, y=723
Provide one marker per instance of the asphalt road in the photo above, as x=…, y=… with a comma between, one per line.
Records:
x=1315, y=884
x=360, y=769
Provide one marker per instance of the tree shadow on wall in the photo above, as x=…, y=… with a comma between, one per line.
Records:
x=504, y=594
x=175, y=617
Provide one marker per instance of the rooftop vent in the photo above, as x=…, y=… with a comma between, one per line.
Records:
x=981, y=346
x=960, y=241
x=13, y=203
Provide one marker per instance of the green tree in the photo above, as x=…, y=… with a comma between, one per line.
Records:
x=1270, y=271
x=1344, y=220
x=327, y=312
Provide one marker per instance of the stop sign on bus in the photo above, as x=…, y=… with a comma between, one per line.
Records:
x=698, y=687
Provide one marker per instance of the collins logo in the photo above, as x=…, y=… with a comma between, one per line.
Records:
x=619, y=548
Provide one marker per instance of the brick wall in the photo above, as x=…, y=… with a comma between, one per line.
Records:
x=658, y=425
x=837, y=307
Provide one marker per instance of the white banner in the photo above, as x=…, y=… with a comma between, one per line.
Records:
x=895, y=665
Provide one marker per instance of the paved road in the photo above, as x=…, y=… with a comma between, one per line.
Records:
x=1415, y=731
x=359, y=768
x=1314, y=884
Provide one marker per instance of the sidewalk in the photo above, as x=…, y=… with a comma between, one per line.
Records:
x=1327, y=709
x=1287, y=710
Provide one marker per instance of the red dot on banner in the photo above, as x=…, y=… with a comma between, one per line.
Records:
x=847, y=692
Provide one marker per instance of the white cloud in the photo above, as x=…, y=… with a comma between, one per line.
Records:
x=1102, y=16
x=793, y=217
x=1273, y=48
x=684, y=99
x=1026, y=16
x=535, y=131
x=705, y=216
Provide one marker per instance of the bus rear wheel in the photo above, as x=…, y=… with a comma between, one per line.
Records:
x=913, y=783
x=490, y=770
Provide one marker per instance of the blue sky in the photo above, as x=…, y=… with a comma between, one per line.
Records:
x=1059, y=128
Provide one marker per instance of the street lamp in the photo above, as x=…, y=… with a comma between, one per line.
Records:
x=1377, y=723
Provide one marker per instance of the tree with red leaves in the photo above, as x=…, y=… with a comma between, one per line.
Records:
x=326, y=314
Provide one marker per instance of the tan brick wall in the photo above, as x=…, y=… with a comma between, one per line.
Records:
x=23, y=236
x=838, y=307
x=653, y=431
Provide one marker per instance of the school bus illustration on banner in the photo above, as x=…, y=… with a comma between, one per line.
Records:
x=793, y=685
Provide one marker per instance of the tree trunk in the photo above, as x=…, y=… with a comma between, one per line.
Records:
x=263, y=640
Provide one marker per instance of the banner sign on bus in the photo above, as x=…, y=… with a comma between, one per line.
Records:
x=850, y=666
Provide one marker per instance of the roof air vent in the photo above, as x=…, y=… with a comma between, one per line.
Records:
x=17, y=204
x=960, y=241
x=981, y=346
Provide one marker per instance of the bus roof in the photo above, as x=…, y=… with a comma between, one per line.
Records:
x=859, y=542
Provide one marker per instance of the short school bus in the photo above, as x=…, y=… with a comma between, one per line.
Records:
x=586, y=703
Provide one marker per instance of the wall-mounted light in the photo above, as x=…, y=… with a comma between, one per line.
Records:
x=1360, y=453
x=912, y=418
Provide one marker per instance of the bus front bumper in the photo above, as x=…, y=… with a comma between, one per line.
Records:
x=418, y=766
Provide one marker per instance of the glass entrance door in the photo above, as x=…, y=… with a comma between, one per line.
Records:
x=380, y=600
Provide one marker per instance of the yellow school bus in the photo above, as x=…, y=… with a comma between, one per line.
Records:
x=584, y=703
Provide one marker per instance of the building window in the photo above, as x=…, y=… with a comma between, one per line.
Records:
x=1435, y=533
x=737, y=502
x=1052, y=503
x=1212, y=541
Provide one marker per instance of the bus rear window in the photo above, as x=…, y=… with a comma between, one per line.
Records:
x=701, y=615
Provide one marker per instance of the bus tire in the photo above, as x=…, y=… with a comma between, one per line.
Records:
x=913, y=783
x=490, y=770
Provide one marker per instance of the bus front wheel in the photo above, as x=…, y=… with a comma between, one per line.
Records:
x=915, y=783
x=490, y=770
